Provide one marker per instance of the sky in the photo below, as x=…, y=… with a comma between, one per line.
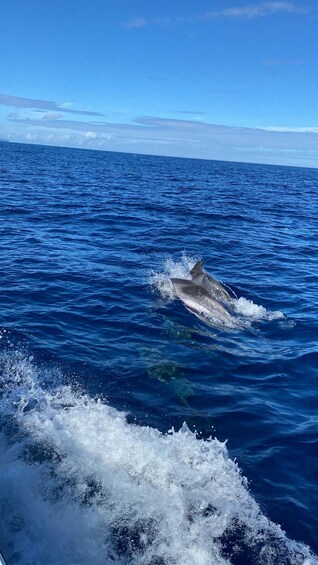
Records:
x=234, y=80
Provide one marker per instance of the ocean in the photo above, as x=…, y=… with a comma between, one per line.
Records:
x=132, y=431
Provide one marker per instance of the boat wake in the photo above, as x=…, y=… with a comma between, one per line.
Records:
x=79, y=484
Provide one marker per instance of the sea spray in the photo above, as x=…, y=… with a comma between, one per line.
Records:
x=81, y=484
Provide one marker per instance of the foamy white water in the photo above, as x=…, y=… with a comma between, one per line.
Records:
x=248, y=309
x=242, y=310
x=172, y=269
x=80, y=485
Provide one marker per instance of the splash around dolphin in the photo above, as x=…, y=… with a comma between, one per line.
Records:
x=205, y=297
x=208, y=299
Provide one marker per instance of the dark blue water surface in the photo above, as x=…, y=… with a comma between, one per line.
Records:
x=90, y=329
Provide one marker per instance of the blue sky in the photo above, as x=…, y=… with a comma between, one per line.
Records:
x=219, y=79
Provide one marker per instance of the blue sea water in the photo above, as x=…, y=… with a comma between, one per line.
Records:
x=131, y=431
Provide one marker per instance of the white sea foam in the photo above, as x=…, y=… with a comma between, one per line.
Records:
x=80, y=485
x=242, y=310
x=250, y=310
x=172, y=269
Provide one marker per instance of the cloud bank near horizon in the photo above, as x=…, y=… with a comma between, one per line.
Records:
x=172, y=137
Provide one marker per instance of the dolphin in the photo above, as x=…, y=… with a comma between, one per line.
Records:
x=204, y=296
x=212, y=285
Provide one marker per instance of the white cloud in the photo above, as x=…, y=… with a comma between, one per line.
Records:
x=13, y=115
x=136, y=23
x=180, y=138
x=141, y=22
x=43, y=105
x=52, y=116
x=303, y=129
x=91, y=135
x=246, y=12
x=252, y=11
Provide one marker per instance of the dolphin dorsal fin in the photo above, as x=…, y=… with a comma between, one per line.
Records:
x=197, y=269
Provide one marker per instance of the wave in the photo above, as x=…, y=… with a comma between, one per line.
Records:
x=243, y=311
x=82, y=485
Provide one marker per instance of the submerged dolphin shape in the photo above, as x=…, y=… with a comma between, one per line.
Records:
x=204, y=296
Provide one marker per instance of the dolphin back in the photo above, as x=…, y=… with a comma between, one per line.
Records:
x=185, y=287
x=204, y=296
x=197, y=269
x=199, y=301
x=210, y=283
